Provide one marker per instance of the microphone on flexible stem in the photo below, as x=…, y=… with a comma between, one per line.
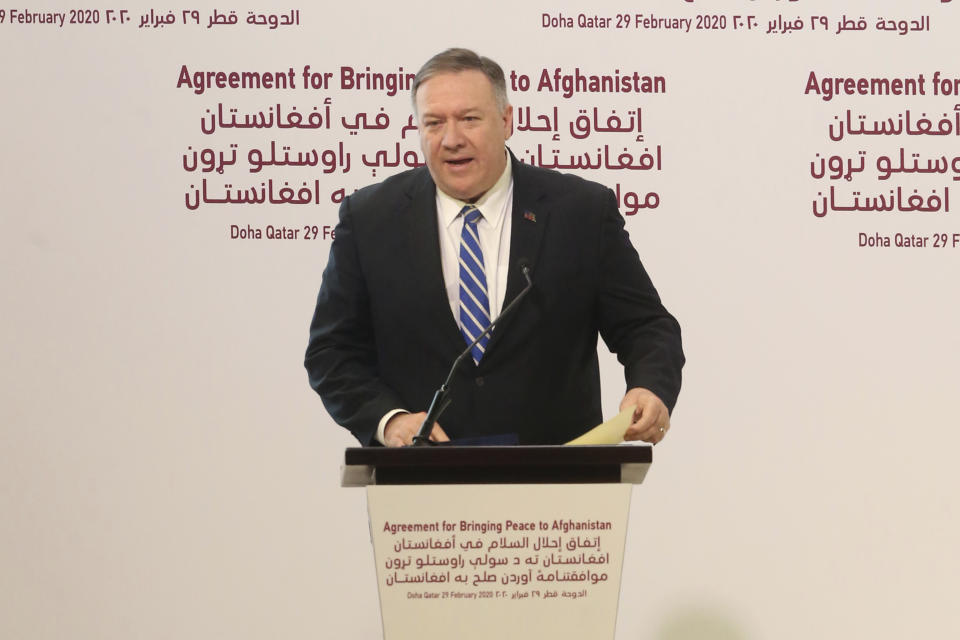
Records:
x=440, y=398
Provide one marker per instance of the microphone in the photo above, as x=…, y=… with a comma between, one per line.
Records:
x=440, y=399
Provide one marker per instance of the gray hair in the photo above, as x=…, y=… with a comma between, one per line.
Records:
x=457, y=60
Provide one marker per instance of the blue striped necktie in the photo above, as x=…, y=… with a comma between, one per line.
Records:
x=474, y=304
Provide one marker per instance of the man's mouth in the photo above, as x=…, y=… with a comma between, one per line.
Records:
x=459, y=162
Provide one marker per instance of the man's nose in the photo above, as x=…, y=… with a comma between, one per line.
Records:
x=452, y=136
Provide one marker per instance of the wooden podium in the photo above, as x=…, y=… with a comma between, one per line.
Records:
x=498, y=542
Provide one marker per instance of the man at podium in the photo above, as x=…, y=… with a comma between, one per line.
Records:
x=424, y=261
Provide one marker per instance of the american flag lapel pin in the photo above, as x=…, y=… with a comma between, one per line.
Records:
x=529, y=215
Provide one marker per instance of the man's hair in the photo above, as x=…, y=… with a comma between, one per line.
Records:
x=457, y=60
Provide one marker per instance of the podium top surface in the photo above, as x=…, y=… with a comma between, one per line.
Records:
x=496, y=465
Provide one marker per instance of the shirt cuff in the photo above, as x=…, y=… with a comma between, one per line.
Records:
x=381, y=427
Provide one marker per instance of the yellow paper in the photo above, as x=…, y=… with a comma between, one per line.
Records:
x=610, y=432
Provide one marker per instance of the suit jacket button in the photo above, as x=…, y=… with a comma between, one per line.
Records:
x=479, y=381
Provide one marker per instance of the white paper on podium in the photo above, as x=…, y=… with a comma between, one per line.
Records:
x=610, y=432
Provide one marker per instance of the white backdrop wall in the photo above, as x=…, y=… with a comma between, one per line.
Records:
x=166, y=471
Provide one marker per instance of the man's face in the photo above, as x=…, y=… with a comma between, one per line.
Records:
x=462, y=132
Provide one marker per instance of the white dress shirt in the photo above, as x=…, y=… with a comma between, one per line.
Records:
x=496, y=206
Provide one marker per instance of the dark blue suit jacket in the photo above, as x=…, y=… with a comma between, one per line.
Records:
x=383, y=336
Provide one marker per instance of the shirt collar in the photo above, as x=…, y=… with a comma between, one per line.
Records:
x=490, y=204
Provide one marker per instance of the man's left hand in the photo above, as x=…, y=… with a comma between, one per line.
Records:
x=651, y=419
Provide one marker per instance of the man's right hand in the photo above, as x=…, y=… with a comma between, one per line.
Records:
x=401, y=428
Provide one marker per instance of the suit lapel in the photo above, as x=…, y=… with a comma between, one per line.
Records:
x=529, y=223
x=420, y=222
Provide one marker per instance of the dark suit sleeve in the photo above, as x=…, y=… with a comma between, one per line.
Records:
x=632, y=320
x=341, y=357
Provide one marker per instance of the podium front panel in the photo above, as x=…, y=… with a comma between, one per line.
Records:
x=499, y=561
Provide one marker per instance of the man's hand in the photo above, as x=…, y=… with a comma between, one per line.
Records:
x=401, y=428
x=651, y=420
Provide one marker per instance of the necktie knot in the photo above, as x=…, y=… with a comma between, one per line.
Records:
x=471, y=215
